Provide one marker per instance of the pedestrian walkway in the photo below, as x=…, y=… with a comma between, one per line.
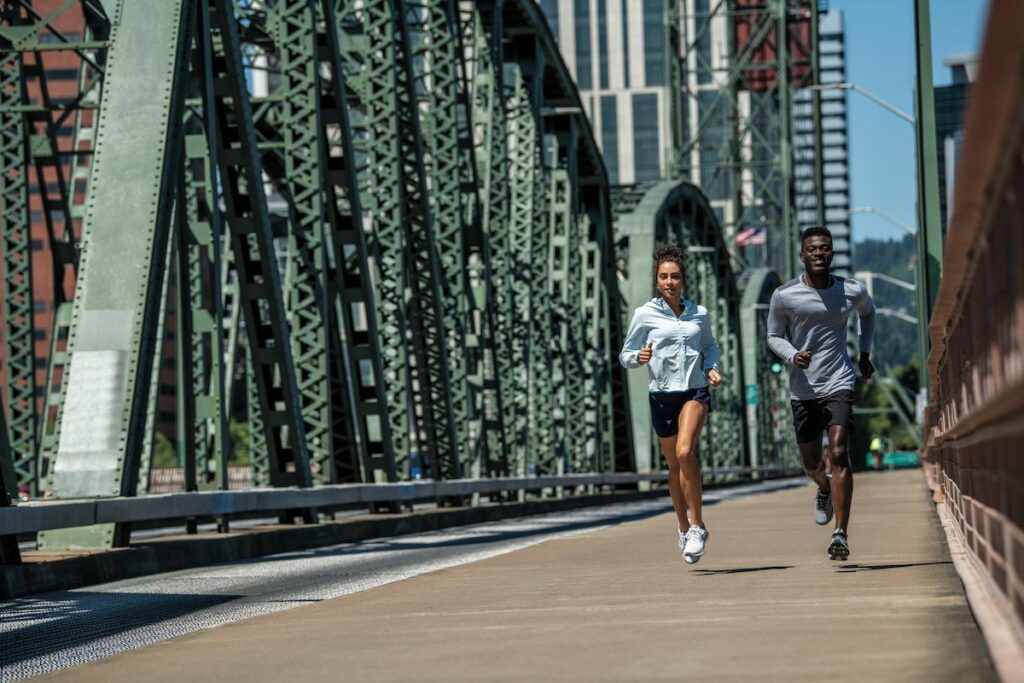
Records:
x=618, y=603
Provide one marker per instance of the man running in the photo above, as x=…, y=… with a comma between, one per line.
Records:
x=807, y=329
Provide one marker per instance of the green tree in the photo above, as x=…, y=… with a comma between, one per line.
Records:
x=163, y=452
x=238, y=431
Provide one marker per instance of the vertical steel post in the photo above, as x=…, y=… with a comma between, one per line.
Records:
x=785, y=134
x=819, y=162
x=929, y=231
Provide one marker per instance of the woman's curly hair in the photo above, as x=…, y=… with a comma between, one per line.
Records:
x=669, y=252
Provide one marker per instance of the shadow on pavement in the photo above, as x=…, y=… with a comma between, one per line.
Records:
x=36, y=626
x=850, y=568
x=739, y=570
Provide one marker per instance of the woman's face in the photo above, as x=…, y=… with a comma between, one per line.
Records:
x=670, y=280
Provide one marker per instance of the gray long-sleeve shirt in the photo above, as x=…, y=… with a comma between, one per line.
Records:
x=802, y=318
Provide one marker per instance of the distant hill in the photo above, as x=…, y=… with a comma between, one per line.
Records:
x=895, y=339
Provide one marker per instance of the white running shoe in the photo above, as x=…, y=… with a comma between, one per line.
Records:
x=823, y=506
x=838, y=547
x=682, y=540
x=696, y=544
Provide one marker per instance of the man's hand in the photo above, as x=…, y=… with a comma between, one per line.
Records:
x=866, y=368
x=714, y=378
x=644, y=357
x=802, y=359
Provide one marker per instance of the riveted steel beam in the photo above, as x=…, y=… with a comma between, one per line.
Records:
x=259, y=290
x=368, y=454
x=15, y=230
x=116, y=309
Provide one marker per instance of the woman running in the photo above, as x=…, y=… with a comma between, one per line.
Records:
x=673, y=337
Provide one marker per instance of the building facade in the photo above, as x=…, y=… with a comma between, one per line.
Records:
x=615, y=49
x=834, y=145
x=696, y=89
x=950, y=105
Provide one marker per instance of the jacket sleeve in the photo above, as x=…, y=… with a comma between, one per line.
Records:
x=709, y=346
x=635, y=338
x=777, y=329
x=866, y=311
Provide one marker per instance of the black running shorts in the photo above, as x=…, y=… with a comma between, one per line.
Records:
x=665, y=407
x=811, y=418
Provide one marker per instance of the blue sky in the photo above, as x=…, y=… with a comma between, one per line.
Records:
x=880, y=59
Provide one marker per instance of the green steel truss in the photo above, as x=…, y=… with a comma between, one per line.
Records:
x=490, y=246
x=28, y=40
x=131, y=194
x=260, y=299
x=356, y=353
x=736, y=137
x=19, y=346
x=436, y=51
x=770, y=440
x=434, y=296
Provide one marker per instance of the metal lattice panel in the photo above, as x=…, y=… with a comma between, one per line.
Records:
x=17, y=254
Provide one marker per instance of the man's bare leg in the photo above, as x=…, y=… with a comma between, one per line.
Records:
x=842, y=476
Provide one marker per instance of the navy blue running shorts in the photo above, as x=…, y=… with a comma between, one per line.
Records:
x=665, y=407
x=811, y=418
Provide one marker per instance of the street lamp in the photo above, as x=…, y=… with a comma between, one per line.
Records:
x=874, y=98
x=882, y=214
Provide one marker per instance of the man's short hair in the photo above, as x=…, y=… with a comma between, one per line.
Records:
x=814, y=231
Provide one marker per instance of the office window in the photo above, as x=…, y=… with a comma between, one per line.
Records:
x=610, y=137
x=602, y=42
x=654, y=43
x=702, y=27
x=583, y=59
x=625, y=42
x=646, y=146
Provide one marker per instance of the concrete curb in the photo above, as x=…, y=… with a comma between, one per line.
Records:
x=185, y=552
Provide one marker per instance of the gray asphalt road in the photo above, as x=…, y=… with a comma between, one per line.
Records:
x=53, y=631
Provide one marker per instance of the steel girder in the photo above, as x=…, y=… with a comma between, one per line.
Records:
x=357, y=353
x=61, y=178
x=738, y=145
x=19, y=347
x=437, y=56
x=388, y=141
x=491, y=158
x=766, y=394
x=293, y=28
x=476, y=186
x=115, y=316
x=259, y=291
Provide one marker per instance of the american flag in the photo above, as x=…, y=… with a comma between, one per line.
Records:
x=749, y=237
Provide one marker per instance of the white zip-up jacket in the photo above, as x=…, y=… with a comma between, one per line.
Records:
x=684, y=346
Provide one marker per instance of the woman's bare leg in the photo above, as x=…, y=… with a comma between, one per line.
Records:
x=675, y=480
x=691, y=419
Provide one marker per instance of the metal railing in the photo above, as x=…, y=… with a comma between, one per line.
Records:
x=37, y=516
x=975, y=420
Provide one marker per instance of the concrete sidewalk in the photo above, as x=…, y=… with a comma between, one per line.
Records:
x=619, y=604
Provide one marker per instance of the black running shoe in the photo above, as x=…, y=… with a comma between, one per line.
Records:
x=838, y=547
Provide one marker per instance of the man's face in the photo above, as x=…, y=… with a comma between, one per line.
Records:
x=816, y=253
